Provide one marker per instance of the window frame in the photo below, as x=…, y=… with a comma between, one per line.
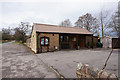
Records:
x=44, y=41
x=64, y=38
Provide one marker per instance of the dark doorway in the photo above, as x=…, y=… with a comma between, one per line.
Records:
x=64, y=41
x=81, y=41
x=72, y=41
x=68, y=41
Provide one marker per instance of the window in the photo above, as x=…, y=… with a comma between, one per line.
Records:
x=61, y=38
x=64, y=38
x=44, y=41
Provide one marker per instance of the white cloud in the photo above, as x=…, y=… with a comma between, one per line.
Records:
x=50, y=11
x=59, y=0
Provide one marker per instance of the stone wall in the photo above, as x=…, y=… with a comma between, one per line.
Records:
x=53, y=42
x=33, y=41
x=28, y=42
x=86, y=71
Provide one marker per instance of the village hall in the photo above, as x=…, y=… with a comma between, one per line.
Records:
x=45, y=38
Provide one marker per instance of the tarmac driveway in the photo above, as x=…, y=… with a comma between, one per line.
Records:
x=19, y=62
x=65, y=62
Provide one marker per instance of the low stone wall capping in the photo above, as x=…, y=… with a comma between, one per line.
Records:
x=86, y=71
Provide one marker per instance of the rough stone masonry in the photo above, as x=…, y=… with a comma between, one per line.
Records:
x=86, y=71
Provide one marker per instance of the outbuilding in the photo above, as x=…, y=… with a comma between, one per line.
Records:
x=110, y=42
x=45, y=38
x=106, y=41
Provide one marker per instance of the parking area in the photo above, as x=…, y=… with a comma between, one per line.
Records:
x=65, y=61
x=19, y=62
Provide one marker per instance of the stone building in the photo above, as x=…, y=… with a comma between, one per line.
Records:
x=46, y=38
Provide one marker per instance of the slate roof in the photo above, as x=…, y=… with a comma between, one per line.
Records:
x=59, y=29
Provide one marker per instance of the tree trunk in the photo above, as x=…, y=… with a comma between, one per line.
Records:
x=102, y=31
x=102, y=26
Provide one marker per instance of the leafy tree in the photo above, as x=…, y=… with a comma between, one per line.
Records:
x=66, y=23
x=21, y=31
x=88, y=22
x=6, y=34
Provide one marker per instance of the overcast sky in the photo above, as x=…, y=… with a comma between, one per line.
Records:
x=50, y=11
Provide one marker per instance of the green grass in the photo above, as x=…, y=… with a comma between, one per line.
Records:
x=0, y=41
x=16, y=42
x=5, y=41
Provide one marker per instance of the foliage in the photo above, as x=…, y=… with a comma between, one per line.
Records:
x=16, y=42
x=6, y=34
x=21, y=31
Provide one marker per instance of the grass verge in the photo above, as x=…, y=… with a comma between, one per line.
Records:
x=5, y=41
x=16, y=42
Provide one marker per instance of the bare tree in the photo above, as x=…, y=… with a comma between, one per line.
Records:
x=88, y=22
x=21, y=31
x=104, y=19
x=66, y=23
x=114, y=24
x=119, y=19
